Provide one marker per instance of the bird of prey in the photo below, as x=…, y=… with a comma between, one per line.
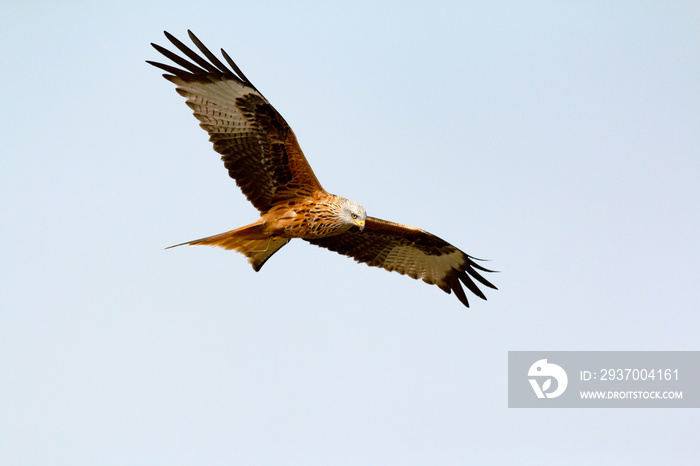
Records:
x=261, y=153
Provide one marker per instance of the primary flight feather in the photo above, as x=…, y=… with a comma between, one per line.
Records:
x=261, y=153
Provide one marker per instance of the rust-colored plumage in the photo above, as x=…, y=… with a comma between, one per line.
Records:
x=262, y=155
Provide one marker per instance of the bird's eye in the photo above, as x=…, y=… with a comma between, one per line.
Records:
x=354, y=216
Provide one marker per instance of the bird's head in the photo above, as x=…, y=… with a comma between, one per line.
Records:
x=352, y=214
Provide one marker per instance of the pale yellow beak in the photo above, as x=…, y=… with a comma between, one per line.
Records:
x=360, y=224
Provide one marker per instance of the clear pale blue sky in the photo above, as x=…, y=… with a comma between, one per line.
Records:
x=560, y=140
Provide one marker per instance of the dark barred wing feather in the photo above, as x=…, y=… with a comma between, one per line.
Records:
x=411, y=251
x=256, y=144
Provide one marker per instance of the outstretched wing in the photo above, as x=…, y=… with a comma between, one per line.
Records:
x=258, y=147
x=411, y=251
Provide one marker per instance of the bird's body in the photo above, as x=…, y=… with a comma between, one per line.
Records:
x=311, y=217
x=262, y=154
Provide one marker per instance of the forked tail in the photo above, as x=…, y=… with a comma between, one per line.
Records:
x=248, y=240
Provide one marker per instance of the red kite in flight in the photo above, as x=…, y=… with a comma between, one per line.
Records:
x=262, y=154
